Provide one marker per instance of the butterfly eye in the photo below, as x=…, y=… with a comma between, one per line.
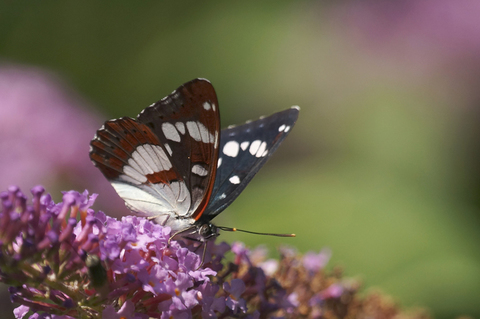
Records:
x=204, y=230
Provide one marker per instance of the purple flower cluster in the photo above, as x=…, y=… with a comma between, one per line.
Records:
x=68, y=261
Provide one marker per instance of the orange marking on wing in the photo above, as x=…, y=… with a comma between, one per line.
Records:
x=198, y=213
x=127, y=134
x=165, y=177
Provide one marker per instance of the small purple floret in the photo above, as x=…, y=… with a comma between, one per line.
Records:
x=3, y=196
x=53, y=236
x=314, y=262
x=37, y=190
x=7, y=205
x=13, y=189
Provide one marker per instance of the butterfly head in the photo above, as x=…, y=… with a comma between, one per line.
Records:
x=208, y=231
x=200, y=232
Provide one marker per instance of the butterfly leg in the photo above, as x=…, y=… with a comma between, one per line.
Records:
x=182, y=231
x=204, y=250
x=203, y=255
x=192, y=239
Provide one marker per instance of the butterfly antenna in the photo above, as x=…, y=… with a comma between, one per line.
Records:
x=255, y=233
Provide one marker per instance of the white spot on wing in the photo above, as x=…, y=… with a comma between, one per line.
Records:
x=244, y=145
x=199, y=132
x=287, y=129
x=206, y=106
x=182, y=197
x=234, y=179
x=128, y=179
x=138, y=157
x=140, y=200
x=222, y=196
x=170, y=132
x=148, y=153
x=133, y=174
x=199, y=170
x=194, y=131
x=135, y=165
x=219, y=162
x=146, y=159
x=169, y=149
x=254, y=147
x=281, y=128
x=207, y=137
x=231, y=149
x=155, y=199
x=164, y=162
x=213, y=106
x=261, y=149
x=180, y=127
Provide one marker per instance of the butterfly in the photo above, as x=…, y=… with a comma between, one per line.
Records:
x=175, y=166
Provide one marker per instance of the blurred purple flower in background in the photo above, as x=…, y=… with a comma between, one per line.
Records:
x=422, y=33
x=45, y=131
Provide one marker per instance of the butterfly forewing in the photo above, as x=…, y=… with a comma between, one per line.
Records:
x=165, y=161
x=188, y=123
x=243, y=150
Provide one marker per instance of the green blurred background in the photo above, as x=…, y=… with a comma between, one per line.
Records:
x=382, y=166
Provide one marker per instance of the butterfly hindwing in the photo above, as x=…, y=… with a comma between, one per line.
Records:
x=243, y=150
x=165, y=161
